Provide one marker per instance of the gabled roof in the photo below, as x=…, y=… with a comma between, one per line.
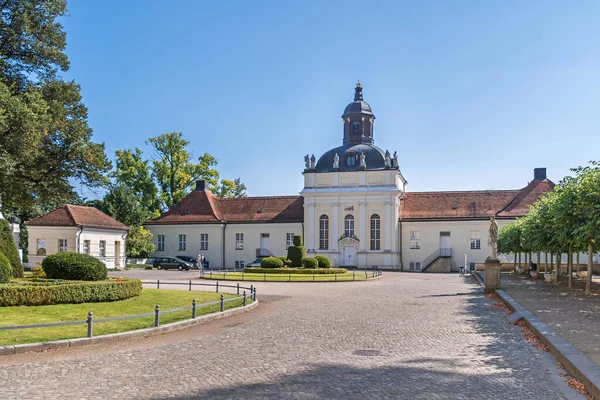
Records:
x=71, y=215
x=472, y=204
x=201, y=207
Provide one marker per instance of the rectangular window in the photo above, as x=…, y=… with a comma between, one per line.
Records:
x=62, y=245
x=476, y=239
x=472, y=266
x=375, y=233
x=182, y=239
x=239, y=265
x=324, y=233
x=414, y=266
x=86, y=247
x=102, y=251
x=415, y=239
x=160, y=243
x=239, y=241
x=204, y=241
x=289, y=240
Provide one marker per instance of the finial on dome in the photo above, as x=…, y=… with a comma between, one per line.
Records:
x=358, y=92
x=358, y=84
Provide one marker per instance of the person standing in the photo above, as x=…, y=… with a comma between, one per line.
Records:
x=201, y=263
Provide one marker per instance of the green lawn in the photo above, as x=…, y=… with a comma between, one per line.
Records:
x=239, y=276
x=167, y=299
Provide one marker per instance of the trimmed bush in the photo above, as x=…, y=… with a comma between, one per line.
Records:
x=271, y=262
x=9, y=249
x=296, y=252
x=39, y=292
x=297, y=241
x=74, y=266
x=38, y=272
x=304, y=271
x=5, y=269
x=309, y=262
x=323, y=261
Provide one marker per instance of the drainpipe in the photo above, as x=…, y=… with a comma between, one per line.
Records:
x=400, y=241
x=124, y=255
x=78, y=241
x=224, y=225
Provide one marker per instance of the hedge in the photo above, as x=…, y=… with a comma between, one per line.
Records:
x=9, y=249
x=74, y=266
x=309, y=262
x=323, y=261
x=271, y=262
x=5, y=269
x=306, y=271
x=40, y=292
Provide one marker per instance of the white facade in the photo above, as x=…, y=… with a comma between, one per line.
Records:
x=224, y=245
x=107, y=245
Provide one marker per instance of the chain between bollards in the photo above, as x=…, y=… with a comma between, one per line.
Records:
x=156, y=315
x=90, y=324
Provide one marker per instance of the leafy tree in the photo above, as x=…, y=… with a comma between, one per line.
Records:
x=121, y=204
x=139, y=243
x=229, y=189
x=134, y=172
x=8, y=248
x=45, y=140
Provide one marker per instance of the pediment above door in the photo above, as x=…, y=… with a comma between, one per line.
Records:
x=348, y=240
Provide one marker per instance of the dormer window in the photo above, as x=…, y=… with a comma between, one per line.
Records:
x=356, y=128
x=350, y=160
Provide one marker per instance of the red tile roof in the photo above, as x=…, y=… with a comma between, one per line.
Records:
x=71, y=215
x=472, y=204
x=200, y=207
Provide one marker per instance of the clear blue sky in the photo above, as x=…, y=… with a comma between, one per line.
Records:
x=455, y=85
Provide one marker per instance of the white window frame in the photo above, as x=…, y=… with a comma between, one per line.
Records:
x=415, y=239
x=102, y=249
x=239, y=265
x=289, y=240
x=239, y=241
x=475, y=240
x=204, y=241
x=323, y=232
x=375, y=232
x=349, y=225
x=182, y=242
x=414, y=266
x=160, y=242
x=62, y=245
x=86, y=247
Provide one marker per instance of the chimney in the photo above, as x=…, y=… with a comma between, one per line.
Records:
x=539, y=174
x=200, y=185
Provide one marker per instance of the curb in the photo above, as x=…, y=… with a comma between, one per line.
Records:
x=262, y=281
x=574, y=361
x=78, y=342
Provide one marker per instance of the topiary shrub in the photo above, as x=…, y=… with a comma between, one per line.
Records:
x=323, y=261
x=309, y=262
x=271, y=262
x=285, y=260
x=74, y=266
x=9, y=249
x=297, y=241
x=5, y=269
x=296, y=252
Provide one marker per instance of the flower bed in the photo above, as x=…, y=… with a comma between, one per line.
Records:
x=307, y=271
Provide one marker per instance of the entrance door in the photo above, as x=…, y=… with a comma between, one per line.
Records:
x=349, y=254
x=117, y=254
x=445, y=240
x=264, y=243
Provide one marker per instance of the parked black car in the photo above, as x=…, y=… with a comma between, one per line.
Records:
x=170, y=262
x=189, y=259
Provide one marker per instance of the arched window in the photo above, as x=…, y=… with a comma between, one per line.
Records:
x=375, y=232
x=356, y=128
x=324, y=232
x=349, y=225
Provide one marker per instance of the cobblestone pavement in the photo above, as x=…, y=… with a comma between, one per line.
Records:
x=572, y=313
x=436, y=336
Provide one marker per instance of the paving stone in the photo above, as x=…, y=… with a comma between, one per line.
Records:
x=436, y=336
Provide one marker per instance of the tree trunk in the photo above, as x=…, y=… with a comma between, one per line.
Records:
x=577, y=258
x=557, y=266
x=515, y=266
x=588, y=281
x=519, y=260
x=539, y=254
x=551, y=261
x=545, y=262
x=570, y=267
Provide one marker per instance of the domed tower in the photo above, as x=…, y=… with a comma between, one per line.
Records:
x=351, y=196
x=358, y=120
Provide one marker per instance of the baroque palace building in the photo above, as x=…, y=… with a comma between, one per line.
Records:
x=354, y=209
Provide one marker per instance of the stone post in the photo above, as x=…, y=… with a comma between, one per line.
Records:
x=491, y=271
